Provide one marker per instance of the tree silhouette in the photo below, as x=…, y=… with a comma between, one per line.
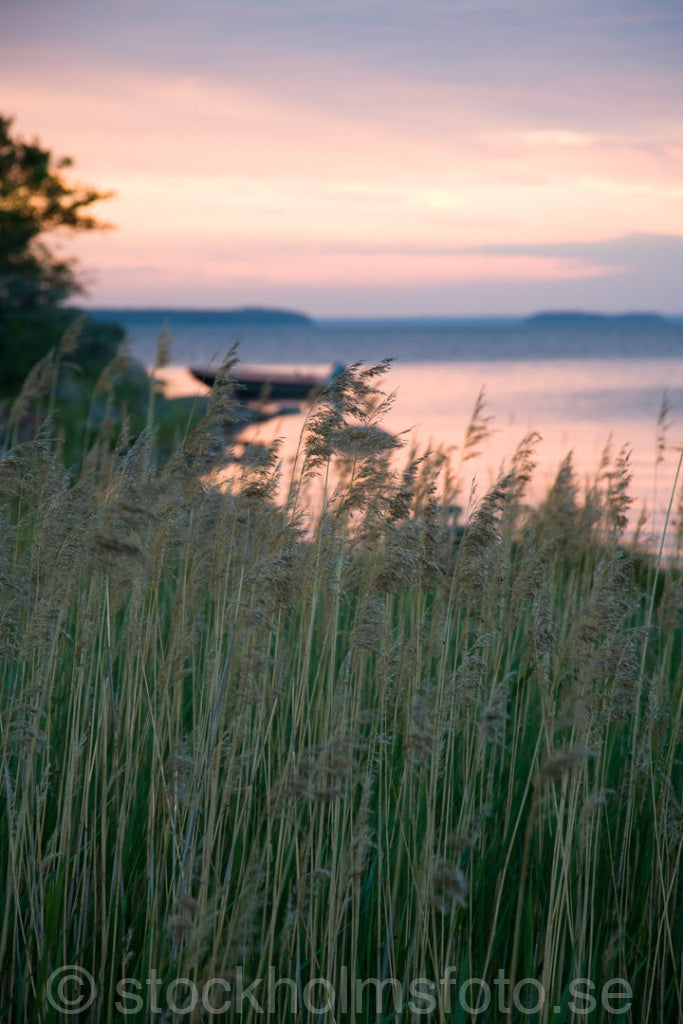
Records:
x=37, y=199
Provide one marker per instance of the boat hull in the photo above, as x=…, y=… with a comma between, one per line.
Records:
x=265, y=386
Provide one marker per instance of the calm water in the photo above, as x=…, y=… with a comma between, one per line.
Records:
x=199, y=336
x=576, y=384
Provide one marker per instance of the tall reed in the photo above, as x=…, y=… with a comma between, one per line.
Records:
x=373, y=745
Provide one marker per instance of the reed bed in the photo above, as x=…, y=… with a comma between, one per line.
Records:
x=422, y=736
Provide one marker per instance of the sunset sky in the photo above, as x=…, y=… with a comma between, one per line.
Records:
x=365, y=157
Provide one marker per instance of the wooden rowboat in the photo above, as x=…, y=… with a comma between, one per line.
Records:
x=255, y=384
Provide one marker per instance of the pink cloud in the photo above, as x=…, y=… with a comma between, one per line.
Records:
x=300, y=184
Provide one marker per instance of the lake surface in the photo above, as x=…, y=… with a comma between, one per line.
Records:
x=577, y=383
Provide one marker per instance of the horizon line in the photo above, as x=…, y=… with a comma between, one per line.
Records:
x=553, y=312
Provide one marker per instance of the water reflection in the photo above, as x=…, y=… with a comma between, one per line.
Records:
x=575, y=405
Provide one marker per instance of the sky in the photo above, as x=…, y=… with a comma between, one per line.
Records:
x=364, y=157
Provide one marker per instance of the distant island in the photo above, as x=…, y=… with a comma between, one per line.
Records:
x=579, y=318
x=256, y=316
x=243, y=316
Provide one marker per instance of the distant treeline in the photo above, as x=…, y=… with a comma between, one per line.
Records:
x=581, y=319
x=247, y=316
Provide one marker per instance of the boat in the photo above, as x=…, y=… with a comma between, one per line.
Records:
x=252, y=385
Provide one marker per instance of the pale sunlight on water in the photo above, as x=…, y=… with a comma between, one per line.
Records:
x=577, y=384
x=575, y=405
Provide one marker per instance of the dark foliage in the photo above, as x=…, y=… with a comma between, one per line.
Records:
x=36, y=199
